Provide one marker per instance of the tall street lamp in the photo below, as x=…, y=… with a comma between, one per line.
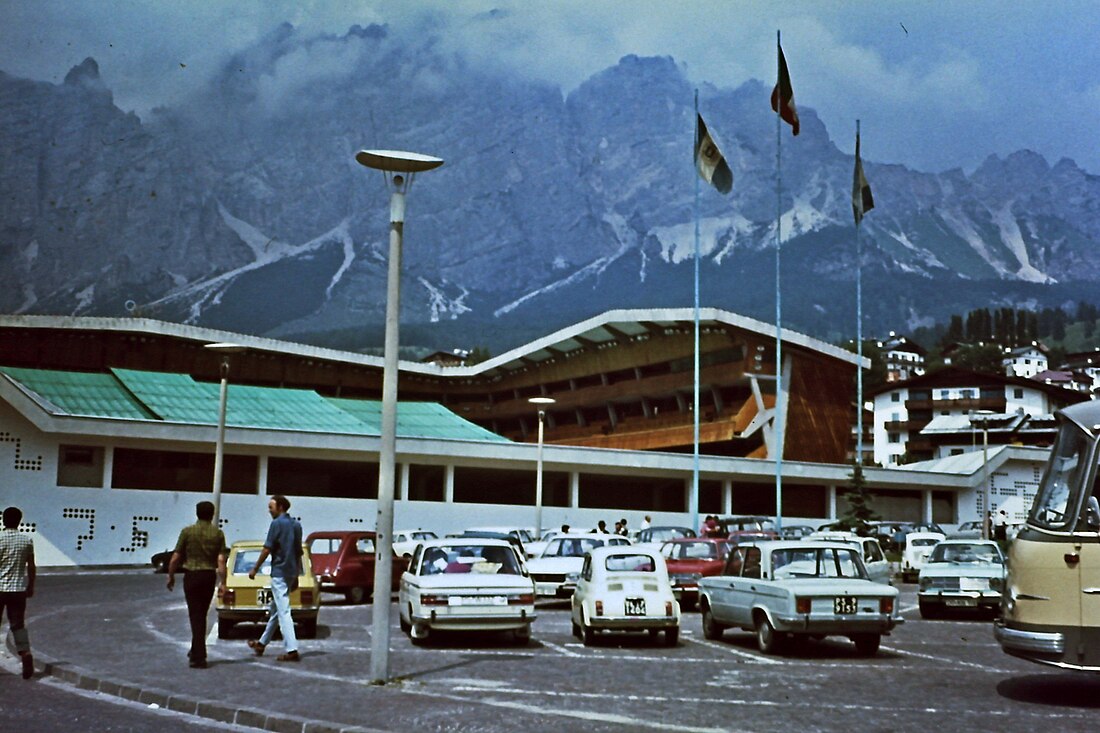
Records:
x=398, y=169
x=226, y=350
x=983, y=416
x=541, y=403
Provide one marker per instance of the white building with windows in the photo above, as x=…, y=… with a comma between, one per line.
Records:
x=1025, y=361
x=904, y=359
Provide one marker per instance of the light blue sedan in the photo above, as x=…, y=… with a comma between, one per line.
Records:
x=797, y=589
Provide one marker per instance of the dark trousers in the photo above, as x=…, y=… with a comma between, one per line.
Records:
x=14, y=604
x=198, y=589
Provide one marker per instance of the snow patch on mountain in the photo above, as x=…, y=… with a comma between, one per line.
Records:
x=85, y=298
x=928, y=259
x=678, y=241
x=592, y=269
x=264, y=248
x=440, y=305
x=963, y=227
x=341, y=232
x=1012, y=237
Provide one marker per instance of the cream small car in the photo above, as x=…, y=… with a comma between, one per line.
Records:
x=466, y=584
x=625, y=588
x=247, y=600
x=918, y=546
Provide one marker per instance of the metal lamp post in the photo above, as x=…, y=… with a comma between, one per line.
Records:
x=226, y=350
x=541, y=403
x=398, y=169
x=984, y=416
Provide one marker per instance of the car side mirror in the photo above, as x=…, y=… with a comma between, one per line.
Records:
x=1092, y=513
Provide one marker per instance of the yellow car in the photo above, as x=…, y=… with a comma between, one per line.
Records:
x=247, y=600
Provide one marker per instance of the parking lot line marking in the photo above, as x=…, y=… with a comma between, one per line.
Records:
x=560, y=649
x=733, y=650
x=946, y=660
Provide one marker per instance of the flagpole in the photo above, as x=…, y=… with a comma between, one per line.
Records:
x=779, y=397
x=859, y=330
x=693, y=501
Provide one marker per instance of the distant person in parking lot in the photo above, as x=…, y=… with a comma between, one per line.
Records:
x=284, y=546
x=601, y=527
x=622, y=528
x=17, y=574
x=646, y=522
x=1000, y=527
x=201, y=550
x=565, y=529
x=710, y=526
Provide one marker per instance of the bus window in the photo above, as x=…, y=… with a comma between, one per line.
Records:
x=1058, y=493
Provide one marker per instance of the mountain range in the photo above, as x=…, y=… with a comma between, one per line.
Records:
x=245, y=209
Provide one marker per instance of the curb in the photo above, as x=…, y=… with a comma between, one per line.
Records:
x=210, y=709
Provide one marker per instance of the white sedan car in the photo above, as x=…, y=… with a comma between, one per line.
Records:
x=564, y=557
x=471, y=584
x=918, y=545
x=623, y=588
x=406, y=540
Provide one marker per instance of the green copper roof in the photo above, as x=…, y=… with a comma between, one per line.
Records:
x=132, y=394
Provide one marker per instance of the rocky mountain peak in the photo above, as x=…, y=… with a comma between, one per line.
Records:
x=86, y=73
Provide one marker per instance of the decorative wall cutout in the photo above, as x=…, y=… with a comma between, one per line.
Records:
x=75, y=513
x=139, y=538
x=28, y=527
x=20, y=463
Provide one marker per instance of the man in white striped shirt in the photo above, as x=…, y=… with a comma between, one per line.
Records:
x=17, y=573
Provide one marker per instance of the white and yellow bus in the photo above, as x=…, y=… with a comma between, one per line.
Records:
x=1051, y=603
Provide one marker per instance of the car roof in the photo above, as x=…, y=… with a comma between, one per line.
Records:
x=797, y=544
x=923, y=535
x=628, y=549
x=331, y=533
x=467, y=540
x=688, y=540
x=963, y=541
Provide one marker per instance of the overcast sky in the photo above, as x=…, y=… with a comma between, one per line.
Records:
x=937, y=83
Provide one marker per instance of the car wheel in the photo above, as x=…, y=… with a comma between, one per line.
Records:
x=672, y=636
x=356, y=594
x=406, y=627
x=767, y=639
x=309, y=628
x=928, y=610
x=225, y=628
x=867, y=644
x=522, y=636
x=711, y=629
x=588, y=634
x=577, y=631
x=418, y=634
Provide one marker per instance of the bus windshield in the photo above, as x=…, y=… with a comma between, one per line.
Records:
x=1060, y=492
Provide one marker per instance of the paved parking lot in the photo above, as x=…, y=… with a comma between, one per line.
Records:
x=123, y=632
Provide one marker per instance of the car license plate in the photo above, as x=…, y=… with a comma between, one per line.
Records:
x=635, y=607
x=263, y=597
x=845, y=605
x=961, y=602
x=477, y=601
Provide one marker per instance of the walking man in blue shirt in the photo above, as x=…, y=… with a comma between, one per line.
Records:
x=17, y=573
x=284, y=546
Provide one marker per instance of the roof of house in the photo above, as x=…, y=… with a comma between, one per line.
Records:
x=129, y=394
x=955, y=377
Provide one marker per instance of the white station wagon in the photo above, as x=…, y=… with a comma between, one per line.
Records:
x=556, y=568
x=791, y=589
x=624, y=588
x=470, y=584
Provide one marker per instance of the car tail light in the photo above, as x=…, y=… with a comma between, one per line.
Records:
x=306, y=597
x=886, y=605
x=802, y=605
x=599, y=608
x=433, y=600
x=229, y=598
x=668, y=608
x=523, y=599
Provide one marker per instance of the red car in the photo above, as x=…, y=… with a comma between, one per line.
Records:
x=344, y=562
x=691, y=558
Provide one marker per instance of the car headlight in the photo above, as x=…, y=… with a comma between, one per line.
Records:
x=572, y=577
x=925, y=583
x=997, y=584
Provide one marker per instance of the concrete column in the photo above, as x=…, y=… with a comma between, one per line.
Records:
x=830, y=502
x=574, y=489
x=727, y=497
x=926, y=505
x=108, y=465
x=686, y=499
x=261, y=476
x=449, y=484
x=403, y=482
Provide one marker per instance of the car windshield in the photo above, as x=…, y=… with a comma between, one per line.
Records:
x=661, y=534
x=1062, y=482
x=246, y=560
x=695, y=550
x=320, y=546
x=571, y=546
x=816, y=562
x=423, y=535
x=469, y=558
x=632, y=563
x=922, y=542
x=975, y=554
x=365, y=545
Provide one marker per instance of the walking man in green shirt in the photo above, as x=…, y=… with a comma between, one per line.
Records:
x=202, y=551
